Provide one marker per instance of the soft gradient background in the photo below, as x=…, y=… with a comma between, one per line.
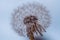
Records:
x=6, y=9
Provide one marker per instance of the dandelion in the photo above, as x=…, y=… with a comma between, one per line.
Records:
x=29, y=19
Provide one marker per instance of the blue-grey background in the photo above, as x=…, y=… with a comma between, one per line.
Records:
x=6, y=9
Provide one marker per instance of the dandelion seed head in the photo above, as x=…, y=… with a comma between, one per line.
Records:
x=39, y=12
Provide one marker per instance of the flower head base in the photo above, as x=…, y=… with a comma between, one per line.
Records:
x=29, y=19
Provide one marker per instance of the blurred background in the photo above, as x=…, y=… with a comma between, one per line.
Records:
x=6, y=9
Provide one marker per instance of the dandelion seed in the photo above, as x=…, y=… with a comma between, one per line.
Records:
x=29, y=19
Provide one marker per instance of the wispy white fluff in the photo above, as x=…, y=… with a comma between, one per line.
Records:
x=29, y=9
